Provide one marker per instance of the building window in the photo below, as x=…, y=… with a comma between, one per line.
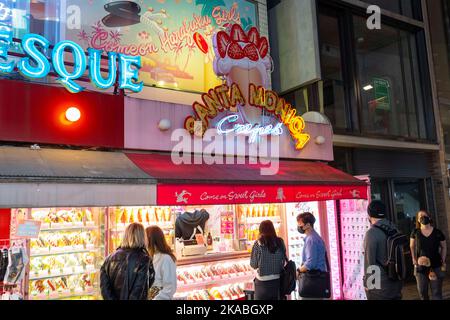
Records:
x=376, y=82
x=389, y=77
x=332, y=73
x=408, y=8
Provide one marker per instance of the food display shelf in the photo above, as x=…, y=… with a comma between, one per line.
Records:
x=63, y=295
x=258, y=220
x=215, y=281
x=67, y=228
x=162, y=225
x=57, y=253
x=90, y=271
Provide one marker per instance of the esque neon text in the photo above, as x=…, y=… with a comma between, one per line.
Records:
x=37, y=65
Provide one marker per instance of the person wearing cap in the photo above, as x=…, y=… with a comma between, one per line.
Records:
x=375, y=254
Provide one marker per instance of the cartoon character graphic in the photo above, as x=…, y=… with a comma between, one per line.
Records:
x=355, y=194
x=181, y=196
x=243, y=58
x=280, y=194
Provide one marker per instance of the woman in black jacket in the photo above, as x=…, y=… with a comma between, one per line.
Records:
x=125, y=274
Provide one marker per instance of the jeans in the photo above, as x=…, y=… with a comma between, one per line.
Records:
x=423, y=283
x=267, y=290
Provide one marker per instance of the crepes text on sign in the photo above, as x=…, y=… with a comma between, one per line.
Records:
x=223, y=98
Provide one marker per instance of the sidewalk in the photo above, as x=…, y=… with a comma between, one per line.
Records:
x=410, y=291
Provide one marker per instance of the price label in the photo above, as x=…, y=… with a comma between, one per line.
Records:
x=241, y=274
x=68, y=270
x=90, y=267
x=54, y=294
x=55, y=272
x=42, y=273
x=78, y=290
x=79, y=269
x=45, y=225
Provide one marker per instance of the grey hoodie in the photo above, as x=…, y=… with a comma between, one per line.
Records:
x=375, y=254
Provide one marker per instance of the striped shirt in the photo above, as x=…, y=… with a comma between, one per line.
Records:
x=269, y=265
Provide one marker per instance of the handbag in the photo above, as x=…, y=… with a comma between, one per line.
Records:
x=153, y=292
x=315, y=283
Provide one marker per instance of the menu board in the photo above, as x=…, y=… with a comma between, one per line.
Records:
x=227, y=222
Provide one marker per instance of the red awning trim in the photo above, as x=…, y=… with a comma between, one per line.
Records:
x=205, y=194
x=295, y=181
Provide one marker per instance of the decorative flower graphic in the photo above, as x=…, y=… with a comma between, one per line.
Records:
x=83, y=36
x=115, y=36
x=98, y=27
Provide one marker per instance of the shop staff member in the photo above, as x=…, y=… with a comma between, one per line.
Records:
x=313, y=257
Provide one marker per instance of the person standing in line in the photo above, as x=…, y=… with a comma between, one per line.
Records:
x=268, y=258
x=164, y=264
x=375, y=256
x=125, y=273
x=314, y=251
x=429, y=251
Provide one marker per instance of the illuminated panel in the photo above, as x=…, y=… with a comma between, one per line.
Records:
x=97, y=79
x=42, y=67
x=65, y=77
x=128, y=74
x=354, y=225
x=248, y=129
x=5, y=41
x=334, y=250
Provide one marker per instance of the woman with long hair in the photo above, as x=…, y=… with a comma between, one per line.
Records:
x=429, y=250
x=164, y=264
x=268, y=258
x=125, y=273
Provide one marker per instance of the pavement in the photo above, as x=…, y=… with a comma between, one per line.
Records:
x=410, y=290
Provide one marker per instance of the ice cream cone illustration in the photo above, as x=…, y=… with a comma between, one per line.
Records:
x=158, y=212
x=127, y=215
x=266, y=210
x=151, y=215
x=139, y=214
x=117, y=215
x=242, y=58
x=260, y=211
x=166, y=214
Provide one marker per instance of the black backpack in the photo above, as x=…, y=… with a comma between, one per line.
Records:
x=398, y=265
x=288, y=277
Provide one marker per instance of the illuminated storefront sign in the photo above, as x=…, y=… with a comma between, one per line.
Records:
x=247, y=129
x=36, y=65
x=223, y=98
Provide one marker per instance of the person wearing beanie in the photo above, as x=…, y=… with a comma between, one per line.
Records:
x=375, y=254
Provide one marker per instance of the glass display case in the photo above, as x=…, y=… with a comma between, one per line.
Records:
x=251, y=216
x=218, y=280
x=121, y=217
x=354, y=225
x=66, y=256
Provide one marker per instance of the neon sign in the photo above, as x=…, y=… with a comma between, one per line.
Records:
x=36, y=64
x=248, y=129
x=223, y=98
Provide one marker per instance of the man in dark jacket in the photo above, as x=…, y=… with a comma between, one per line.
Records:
x=376, y=281
x=125, y=275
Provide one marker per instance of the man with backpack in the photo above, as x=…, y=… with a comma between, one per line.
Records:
x=384, y=267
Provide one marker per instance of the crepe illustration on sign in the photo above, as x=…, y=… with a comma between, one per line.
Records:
x=173, y=38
